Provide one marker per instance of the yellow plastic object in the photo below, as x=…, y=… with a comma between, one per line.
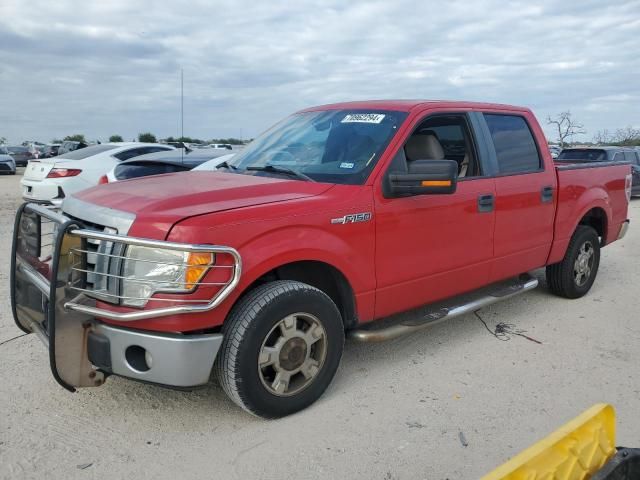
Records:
x=575, y=451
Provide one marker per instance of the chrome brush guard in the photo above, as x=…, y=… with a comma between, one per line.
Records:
x=64, y=276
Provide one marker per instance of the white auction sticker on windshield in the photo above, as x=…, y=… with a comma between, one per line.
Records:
x=363, y=118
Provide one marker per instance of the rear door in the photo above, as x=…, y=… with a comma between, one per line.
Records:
x=525, y=195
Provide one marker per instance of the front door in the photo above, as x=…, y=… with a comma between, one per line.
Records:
x=429, y=247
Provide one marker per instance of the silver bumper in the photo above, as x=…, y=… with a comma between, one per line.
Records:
x=168, y=359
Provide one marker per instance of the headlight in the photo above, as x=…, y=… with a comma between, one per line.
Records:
x=150, y=270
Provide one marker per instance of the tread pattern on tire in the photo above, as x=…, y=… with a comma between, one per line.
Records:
x=238, y=322
x=560, y=275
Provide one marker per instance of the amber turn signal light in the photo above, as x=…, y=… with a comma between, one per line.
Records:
x=198, y=264
x=436, y=183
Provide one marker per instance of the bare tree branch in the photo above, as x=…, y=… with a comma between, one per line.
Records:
x=566, y=127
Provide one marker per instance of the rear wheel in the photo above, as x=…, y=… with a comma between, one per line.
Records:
x=282, y=346
x=575, y=274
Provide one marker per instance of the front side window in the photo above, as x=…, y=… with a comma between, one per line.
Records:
x=515, y=147
x=440, y=137
x=334, y=146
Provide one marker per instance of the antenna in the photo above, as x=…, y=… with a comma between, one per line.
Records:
x=182, y=113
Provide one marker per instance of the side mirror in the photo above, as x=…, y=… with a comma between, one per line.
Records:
x=425, y=177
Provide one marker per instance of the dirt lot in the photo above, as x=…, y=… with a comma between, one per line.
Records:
x=394, y=411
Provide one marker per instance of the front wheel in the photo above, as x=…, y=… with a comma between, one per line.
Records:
x=575, y=274
x=282, y=345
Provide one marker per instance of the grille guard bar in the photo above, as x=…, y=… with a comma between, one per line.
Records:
x=43, y=300
x=217, y=299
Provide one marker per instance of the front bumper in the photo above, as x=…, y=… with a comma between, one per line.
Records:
x=49, y=298
x=175, y=360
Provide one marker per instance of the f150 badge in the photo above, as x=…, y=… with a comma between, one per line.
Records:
x=352, y=218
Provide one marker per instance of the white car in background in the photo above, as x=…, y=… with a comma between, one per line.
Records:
x=50, y=180
x=212, y=165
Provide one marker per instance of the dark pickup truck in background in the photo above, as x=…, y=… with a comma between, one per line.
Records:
x=606, y=154
x=373, y=219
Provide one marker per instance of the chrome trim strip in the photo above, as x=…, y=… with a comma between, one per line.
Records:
x=37, y=279
x=40, y=333
x=176, y=360
x=400, y=329
x=105, y=216
x=48, y=213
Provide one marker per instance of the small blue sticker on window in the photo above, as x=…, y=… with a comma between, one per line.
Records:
x=347, y=165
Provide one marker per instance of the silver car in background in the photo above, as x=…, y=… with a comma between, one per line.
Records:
x=7, y=163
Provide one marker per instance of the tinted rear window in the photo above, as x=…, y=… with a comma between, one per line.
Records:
x=515, y=147
x=86, y=152
x=125, y=171
x=583, y=154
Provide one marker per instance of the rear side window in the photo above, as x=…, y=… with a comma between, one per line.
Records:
x=630, y=157
x=515, y=147
x=87, y=152
x=136, y=152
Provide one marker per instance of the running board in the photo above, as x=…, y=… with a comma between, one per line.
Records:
x=405, y=323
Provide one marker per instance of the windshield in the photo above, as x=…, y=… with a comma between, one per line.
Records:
x=86, y=152
x=334, y=146
x=4, y=151
x=585, y=155
x=17, y=149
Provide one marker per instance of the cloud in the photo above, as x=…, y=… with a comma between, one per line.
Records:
x=114, y=67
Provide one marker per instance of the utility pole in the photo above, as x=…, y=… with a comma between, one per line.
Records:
x=182, y=103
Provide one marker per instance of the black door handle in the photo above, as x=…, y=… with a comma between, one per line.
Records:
x=546, y=194
x=486, y=203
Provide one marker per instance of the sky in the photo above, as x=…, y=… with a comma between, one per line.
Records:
x=113, y=67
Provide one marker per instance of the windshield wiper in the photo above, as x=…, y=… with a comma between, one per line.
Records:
x=284, y=170
x=225, y=164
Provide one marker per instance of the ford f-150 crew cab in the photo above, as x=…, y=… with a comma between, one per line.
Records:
x=371, y=218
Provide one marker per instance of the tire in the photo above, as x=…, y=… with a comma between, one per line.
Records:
x=569, y=278
x=266, y=336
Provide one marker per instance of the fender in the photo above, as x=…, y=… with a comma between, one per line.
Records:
x=267, y=251
x=571, y=212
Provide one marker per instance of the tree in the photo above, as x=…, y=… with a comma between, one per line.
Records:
x=627, y=136
x=3, y=140
x=147, y=137
x=115, y=138
x=602, y=137
x=55, y=140
x=78, y=137
x=567, y=127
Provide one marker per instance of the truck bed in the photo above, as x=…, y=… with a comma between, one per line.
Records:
x=580, y=187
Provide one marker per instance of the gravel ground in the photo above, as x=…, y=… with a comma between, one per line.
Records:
x=394, y=411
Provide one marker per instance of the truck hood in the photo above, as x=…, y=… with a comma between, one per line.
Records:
x=159, y=201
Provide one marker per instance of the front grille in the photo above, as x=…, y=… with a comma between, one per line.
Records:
x=95, y=256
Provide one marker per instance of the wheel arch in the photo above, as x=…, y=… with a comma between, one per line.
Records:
x=597, y=218
x=319, y=274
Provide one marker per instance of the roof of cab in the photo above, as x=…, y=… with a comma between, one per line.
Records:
x=408, y=105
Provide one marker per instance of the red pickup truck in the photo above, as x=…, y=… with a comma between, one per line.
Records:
x=372, y=219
